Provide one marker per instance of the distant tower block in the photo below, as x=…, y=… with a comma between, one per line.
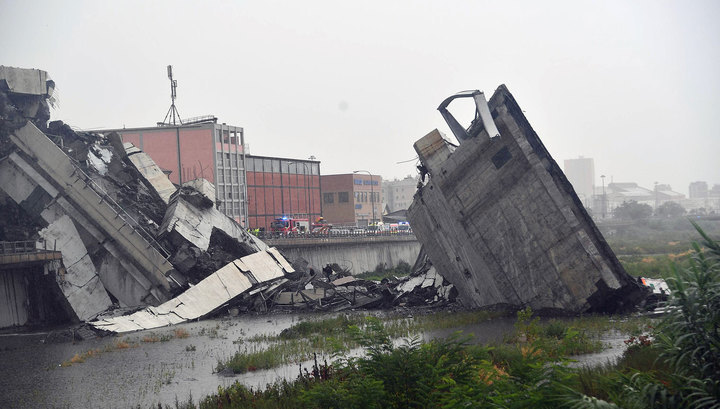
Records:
x=581, y=174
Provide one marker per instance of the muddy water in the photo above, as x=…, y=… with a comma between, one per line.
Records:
x=150, y=372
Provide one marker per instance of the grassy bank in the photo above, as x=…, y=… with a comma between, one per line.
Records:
x=676, y=364
x=334, y=336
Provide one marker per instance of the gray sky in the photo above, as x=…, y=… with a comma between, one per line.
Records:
x=633, y=84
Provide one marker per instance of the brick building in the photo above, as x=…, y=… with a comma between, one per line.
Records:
x=204, y=149
x=351, y=199
x=282, y=187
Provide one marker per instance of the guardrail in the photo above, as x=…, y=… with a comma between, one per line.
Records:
x=16, y=252
x=16, y=247
x=332, y=234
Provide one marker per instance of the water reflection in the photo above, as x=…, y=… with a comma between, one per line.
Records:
x=152, y=372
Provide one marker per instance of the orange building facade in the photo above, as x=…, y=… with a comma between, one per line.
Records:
x=351, y=199
x=205, y=150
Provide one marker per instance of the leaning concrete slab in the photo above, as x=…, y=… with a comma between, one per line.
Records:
x=80, y=284
x=500, y=221
x=229, y=282
x=150, y=171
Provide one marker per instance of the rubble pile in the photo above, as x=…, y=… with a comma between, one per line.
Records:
x=337, y=290
x=131, y=239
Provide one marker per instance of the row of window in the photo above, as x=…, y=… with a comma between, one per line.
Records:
x=230, y=192
x=227, y=176
x=343, y=197
x=281, y=166
x=231, y=137
x=231, y=209
x=373, y=197
x=227, y=159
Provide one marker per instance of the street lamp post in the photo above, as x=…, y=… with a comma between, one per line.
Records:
x=372, y=192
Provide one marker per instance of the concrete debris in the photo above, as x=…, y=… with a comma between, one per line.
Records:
x=335, y=291
x=80, y=284
x=257, y=273
x=185, y=222
x=116, y=221
x=156, y=178
x=202, y=186
x=500, y=221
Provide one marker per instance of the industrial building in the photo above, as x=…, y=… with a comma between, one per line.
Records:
x=199, y=149
x=351, y=199
x=282, y=187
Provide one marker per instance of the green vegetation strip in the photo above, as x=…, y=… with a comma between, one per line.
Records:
x=338, y=335
x=675, y=365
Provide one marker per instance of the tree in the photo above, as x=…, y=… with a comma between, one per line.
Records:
x=670, y=209
x=632, y=210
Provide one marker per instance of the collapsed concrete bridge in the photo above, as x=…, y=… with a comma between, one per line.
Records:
x=499, y=219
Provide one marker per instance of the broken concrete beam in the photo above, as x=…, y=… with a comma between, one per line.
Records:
x=39, y=197
x=231, y=281
x=80, y=284
x=136, y=244
x=501, y=222
x=150, y=171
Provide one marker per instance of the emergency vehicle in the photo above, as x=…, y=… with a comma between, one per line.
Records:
x=288, y=225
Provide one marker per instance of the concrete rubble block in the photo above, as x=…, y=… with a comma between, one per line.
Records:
x=500, y=221
x=203, y=186
x=150, y=171
x=185, y=222
x=243, y=276
x=80, y=284
x=26, y=81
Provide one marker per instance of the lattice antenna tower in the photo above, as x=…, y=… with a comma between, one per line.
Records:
x=172, y=113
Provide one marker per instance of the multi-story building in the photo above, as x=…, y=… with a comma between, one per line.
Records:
x=204, y=149
x=398, y=194
x=698, y=190
x=581, y=174
x=351, y=199
x=282, y=187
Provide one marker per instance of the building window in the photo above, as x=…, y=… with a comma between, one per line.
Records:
x=343, y=197
x=329, y=197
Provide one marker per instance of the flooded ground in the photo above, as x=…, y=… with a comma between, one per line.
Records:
x=31, y=375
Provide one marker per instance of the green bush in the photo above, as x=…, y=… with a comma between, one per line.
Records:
x=681, y=367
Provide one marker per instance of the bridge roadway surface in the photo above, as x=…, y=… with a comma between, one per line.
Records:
x=356, y=252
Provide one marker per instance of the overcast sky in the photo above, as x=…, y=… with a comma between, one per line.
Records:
x=633, y=84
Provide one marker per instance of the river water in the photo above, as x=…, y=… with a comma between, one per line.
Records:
x=31, y=375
